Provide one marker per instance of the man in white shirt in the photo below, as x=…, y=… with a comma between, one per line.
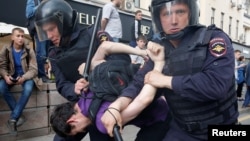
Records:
x=111, y=21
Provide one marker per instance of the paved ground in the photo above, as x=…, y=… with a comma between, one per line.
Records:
x=129, y=132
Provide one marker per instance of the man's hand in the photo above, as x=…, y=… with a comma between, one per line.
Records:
x=8, y=80
x=80, y=85
x=154, y=78
x=111, y=117
x=155, y=52
x=20, y=80
x=81, y=68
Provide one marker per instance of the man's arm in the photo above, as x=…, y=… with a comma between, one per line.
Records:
x=30, y=8
x=64, y=87
x=107, y=48
x=106, y=12
x=240, y=66
x=32, y=70
x=104, y=23
x=4, y=64
x=156, y=52
x=136, y=29
x=3, y=61
x=145, y=97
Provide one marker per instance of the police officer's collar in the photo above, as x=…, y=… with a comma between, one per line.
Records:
x=181, y=33
x=76, y=32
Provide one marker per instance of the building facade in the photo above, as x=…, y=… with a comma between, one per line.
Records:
x=233, y=16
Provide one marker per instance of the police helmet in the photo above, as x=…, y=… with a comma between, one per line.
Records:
x=158, y=5
x=58, y=12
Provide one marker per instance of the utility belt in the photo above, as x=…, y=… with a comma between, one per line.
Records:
x=201, y=125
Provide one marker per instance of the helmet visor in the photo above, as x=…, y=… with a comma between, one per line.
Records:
x=48, y=27
x=172, y=9
x=168, y=13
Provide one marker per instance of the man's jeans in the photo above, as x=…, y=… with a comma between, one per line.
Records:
x=133, y=43
x=41, y=54
x=116, y=39
x=16, y=106
x=247, y=98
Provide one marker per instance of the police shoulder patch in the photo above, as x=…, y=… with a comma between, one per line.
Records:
x=103, y=36
x=217, y=47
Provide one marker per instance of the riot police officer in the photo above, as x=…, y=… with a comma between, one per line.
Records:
x=198, y=78
x=56, y=21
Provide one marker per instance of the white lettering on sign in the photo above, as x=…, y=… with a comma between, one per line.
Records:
x=145, y=29
x=86, y=19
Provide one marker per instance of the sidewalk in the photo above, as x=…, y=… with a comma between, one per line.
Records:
x=129, y=134
x=243, y=110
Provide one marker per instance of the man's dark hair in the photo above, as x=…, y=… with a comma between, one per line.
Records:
x=237, y=51
x=141, y=37
x=138, y=11
x=241, y=58
x=59, y=117
x=17, y=29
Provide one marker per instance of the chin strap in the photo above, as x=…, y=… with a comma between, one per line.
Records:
x=180, y=34
x=176, y=36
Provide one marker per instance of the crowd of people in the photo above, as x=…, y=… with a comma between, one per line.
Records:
x=185, y=83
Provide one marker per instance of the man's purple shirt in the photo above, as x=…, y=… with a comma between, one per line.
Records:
x=157, y=113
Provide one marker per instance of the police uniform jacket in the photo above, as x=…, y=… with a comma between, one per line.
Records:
x=202, y=86
x=65, y=61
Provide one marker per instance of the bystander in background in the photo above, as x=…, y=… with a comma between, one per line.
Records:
x=241, y=77
x=140, y=44
x=18, y=66
x=40, y=46
x=246, y=102
x=111, y=21
x=136, y=28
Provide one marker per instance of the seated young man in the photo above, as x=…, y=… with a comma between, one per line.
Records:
x=141, y=42
x=72, y=118
x=18, y=66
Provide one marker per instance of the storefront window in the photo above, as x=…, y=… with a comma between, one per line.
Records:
x=142, y=4
x=137, y=3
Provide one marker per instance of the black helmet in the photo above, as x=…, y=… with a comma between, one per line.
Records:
x=157, y=5
x=57, y=11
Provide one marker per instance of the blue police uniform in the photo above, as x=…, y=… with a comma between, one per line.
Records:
x=65, y=61
x=203, y=91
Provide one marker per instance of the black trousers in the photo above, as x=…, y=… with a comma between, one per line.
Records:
x=239, y=89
